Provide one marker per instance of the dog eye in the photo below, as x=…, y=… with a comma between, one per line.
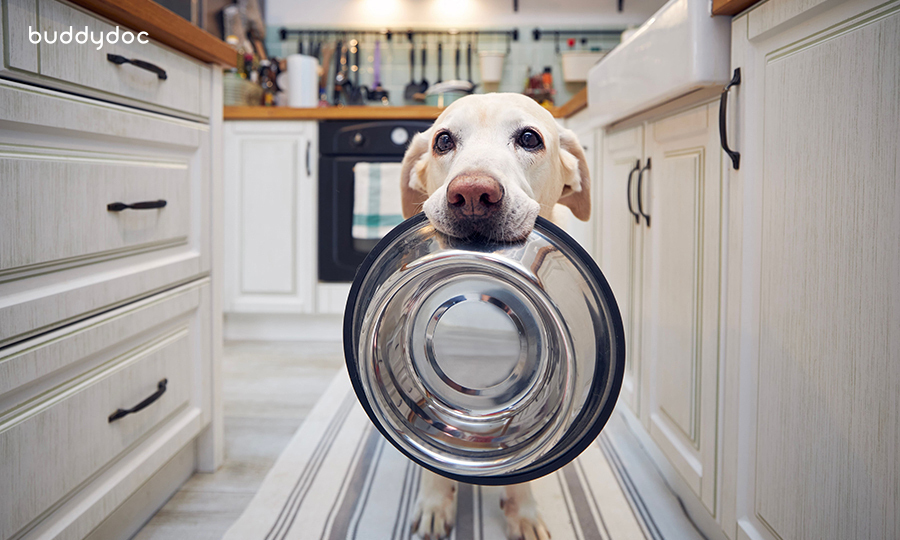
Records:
x=529, y=140
x=444, y=143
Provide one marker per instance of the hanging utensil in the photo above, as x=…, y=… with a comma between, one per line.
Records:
x=413, y=87
x=324, y=68
x=353, y=92
x=458, y=53
x=423, y=84
x=440, y=75
x=378, y=93
x=340, y=74
x=469, y=60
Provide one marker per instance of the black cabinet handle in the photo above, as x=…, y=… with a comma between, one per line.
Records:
x=640, y=180
x=637, y=167
x=308, y=166
x=161, y=389
x=119, y=60
x=146, y=205
x=723, y=113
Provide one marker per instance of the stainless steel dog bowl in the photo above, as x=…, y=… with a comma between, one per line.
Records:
x=488, y=363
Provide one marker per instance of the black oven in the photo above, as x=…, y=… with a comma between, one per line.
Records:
x=342, y=145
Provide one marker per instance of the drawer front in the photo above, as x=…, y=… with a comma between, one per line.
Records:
x=53, y=207
x=57, y=435
x=63, y=255
x=85, y=66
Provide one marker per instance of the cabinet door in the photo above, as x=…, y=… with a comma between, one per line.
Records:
x=819, y=327
x=680, y=333
x=621, y=246
x=270, y=197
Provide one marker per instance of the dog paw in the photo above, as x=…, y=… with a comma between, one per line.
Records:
x=523, y=521
x=435, y=516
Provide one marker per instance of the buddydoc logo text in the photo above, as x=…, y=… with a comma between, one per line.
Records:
x=83, y=36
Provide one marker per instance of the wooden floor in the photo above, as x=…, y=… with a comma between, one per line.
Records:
x=269, y=388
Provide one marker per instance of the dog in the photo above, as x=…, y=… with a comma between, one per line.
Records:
x=488, y=166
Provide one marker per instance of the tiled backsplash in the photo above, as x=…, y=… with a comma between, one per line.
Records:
x=523, y=54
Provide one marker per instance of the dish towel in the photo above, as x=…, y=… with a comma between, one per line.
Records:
x=376, y=199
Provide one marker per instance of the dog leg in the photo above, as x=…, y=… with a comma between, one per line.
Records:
x=523, y=521
x=436, y=507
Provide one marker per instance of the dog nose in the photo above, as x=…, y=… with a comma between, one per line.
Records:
x=474, y=196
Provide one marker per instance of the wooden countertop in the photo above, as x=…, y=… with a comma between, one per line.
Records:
x=362, y=112
x=415, y=112
x=731, y=7
x=165, y=27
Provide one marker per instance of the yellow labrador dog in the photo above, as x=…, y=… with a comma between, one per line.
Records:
x=489, y=166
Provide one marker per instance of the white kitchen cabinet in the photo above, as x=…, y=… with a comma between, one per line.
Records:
x=680, y=346
x=270, y=198
x=622, y=236
x=109, y=289
x=813, y=284
x=661, y=228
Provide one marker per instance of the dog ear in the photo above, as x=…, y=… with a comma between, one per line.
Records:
x=576, y=193
x=412, y=175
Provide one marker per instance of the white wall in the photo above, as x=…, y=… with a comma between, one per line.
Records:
x=399, y=14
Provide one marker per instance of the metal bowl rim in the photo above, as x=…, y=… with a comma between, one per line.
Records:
x=585, y=439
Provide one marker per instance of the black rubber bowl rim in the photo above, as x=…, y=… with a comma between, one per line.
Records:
x=617, y=338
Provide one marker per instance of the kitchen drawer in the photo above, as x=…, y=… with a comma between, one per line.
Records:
x=54, y=207
x=83, y=68
x=64, y=255
x=55, y=428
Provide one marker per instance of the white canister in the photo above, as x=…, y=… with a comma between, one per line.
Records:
x=303, y=80
x=491, y=65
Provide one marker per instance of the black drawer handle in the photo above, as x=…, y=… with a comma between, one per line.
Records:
x=119, y=60
x=723, y=113
x=637, y=167
x=161, y=389
x=146, y=205
x=640, y=181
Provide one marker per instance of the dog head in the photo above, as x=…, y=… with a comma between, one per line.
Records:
x=490, y=165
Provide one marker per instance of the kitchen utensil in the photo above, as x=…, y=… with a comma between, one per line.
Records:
x=440, y=62
x=412, y=88
x=442, y=99
x=353, y=93
x=340, y=72
x=324, y=67
x=445, y=93
x=469, y=61
x=488, y=363
x=458, y=53
x=423, y=84
x=377, y=93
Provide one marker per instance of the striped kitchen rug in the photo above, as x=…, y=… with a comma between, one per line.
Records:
x=339, y=479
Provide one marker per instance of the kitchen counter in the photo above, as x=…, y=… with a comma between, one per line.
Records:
x=414, y=112
x=165, y=27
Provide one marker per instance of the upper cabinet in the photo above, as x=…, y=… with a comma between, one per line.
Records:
x=815, y=215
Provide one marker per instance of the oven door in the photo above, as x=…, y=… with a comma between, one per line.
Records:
x=340, y=254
